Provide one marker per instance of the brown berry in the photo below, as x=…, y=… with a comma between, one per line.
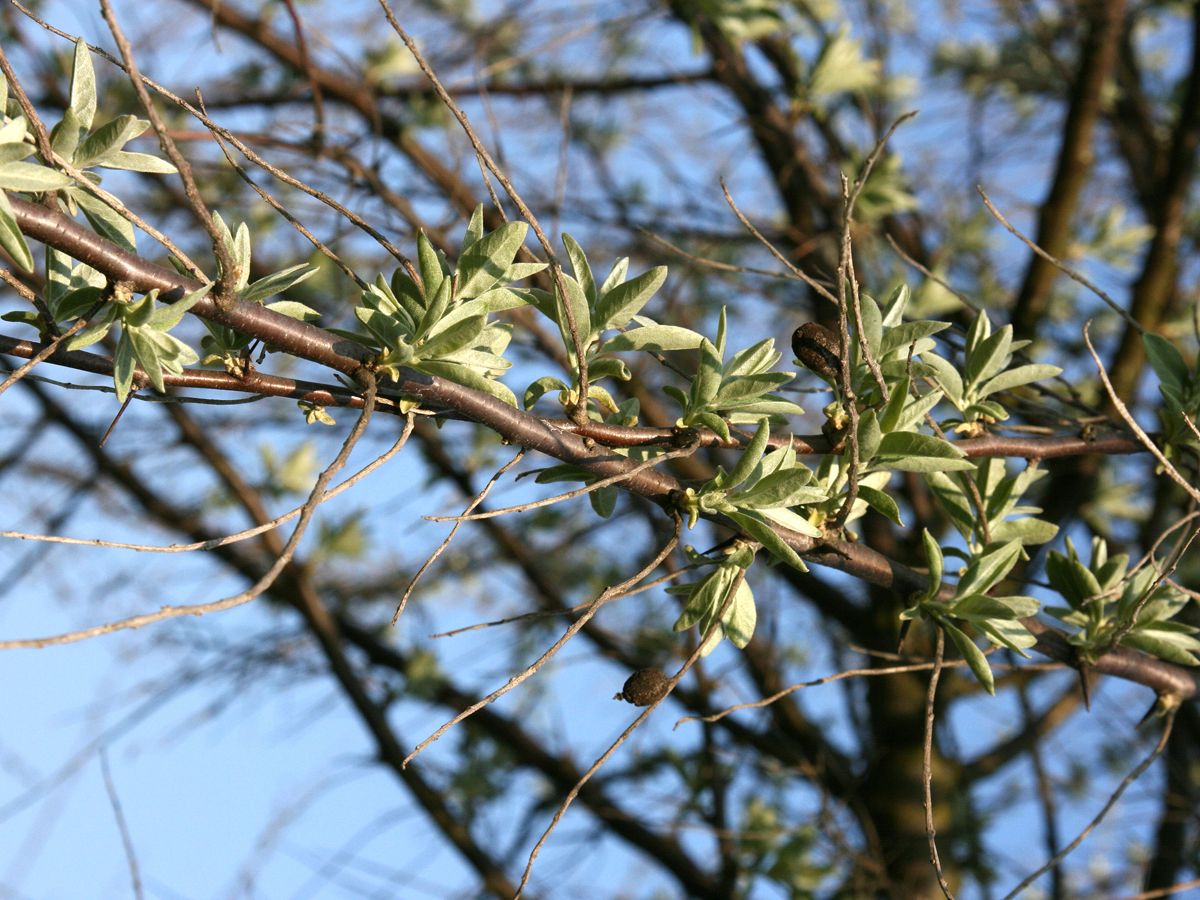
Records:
x=643, y=687
x=818, y=348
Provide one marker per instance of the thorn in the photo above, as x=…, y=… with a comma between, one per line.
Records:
x=117, y=418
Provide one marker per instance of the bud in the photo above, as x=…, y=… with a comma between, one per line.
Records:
x=643, y=687
x=818, y=349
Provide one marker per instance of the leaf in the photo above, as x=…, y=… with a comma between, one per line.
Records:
x=988, y=568
x=430, y=263
x=452, y=339
x=615, y=308
x=604, y=500
x=783, y=488
x=935, y=562
x=105, y=220
x=948, y=378
x=749, y=459
x=1017, y=376
x=615, y=276
x=581, y=268
x=123, y=364
x=654, y=337
x=135, y=162
x=880, y=502
x=11, y=238
x=901, y=336
x=989, y=357
x=973, y=655
x=108, y=138
x=167, y=317
x=83, y=85
x=869, y=436
x=1166, y=361
x=23, y=176
x=484, y=263
x=147, y=355
x=741, y=617
x=913, y=452
x=761, y=531
x=789, y=519
x=541, y=387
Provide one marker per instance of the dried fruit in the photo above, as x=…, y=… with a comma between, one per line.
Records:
x=818, y=348
x=643, y=687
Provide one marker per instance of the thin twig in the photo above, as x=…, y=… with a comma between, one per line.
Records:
x=819, y=288
x=1109, y=804
x=555, y=613
x=569, y=495
x=479, y=498
x=609, y=594
x=1059, y=264
x=226, y=286
x=817, y=682
x=315, y=498
x=927, y=764
x=633, y=726
x=47, y=350
x=579, y=413
x=135, y=878
x=1123, y=412
x=212, y=543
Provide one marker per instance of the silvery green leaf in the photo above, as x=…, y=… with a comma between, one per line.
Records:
x=656, y=338
x=452, y=339
x=615, y=308
x=541, y=387
x=753, y=525
x=1017, y=376
x=105, y=220
x=880, y=502
x=123, y=364
x=750, y=457
x=108, y=138
x=432, y=272
x=616, y=276
x=167, y=317
x=989, y=357
x=900, y=337
x=987, y=569
x=792, y=520
x=131, y=161
x=948, y=379
x=83, y=85
x=23, y=176
x=484, y=263
x=11, y=238
x=753, y=360
x=581, y=268
x=973, y=655
x=278, y=282
x=913, y=452
x=741, y=617
x=935, y=562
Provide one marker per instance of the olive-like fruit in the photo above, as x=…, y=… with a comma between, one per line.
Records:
x=643, y=687
x=818, y=348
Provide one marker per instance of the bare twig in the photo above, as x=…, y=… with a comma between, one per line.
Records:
x=633, y=726
x=1071, y=273
x=479, y=498
x=110, y=788
x=579, y=413
x=608, y=595
x=1123, y=412
x=569, y=495
x=315, y=498
x=927, y=764
x=1109, y=804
